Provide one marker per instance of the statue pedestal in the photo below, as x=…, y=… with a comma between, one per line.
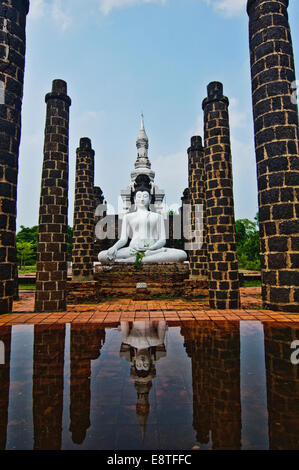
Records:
x=151, y=281
x=121, y=279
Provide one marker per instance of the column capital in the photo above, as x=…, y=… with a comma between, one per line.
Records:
x=215, y=93
x=59, y=92
x=250, y=4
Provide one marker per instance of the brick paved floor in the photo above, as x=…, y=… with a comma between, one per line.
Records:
x=113, y=311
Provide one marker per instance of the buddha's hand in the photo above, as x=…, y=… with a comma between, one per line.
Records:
x=111, y=253
x=148, y=252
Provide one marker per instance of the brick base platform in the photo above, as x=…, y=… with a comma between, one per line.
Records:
x=162, y=280
x=82, y=292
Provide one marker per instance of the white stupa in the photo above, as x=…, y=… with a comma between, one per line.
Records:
x=142, y=167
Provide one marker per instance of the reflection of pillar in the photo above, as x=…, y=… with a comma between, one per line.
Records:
x=275, y=114
x=48, y=386
x=282, y=387
x=215, y=356
x=83, y=236
x=86, y=343
x=197, y=256
x=12, y=62
x=220, y=222
x=5, y=341
x=51, y=268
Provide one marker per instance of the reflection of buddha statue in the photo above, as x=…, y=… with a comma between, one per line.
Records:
x=143, y=345
x=147, y=232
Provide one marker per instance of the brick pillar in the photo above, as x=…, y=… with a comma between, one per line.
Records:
x=84, y=213
x=277, y=151
x=198, y=256
x=220, y=221
x=47, y=391
x=51, y=273
x=12, y=61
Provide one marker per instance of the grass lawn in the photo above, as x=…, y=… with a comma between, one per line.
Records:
x=252, y=283
x=26, y=286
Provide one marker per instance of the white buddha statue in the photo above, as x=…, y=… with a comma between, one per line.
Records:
x=147, y=232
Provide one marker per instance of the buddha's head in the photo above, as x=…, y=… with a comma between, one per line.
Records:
x=142, y=361
x=142, y=198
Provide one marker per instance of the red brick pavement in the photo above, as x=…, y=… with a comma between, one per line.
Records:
x=113, y=311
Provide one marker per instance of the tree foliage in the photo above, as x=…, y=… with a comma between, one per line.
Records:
x=248, y=243
x=26, y=241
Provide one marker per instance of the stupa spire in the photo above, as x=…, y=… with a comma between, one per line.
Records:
x=142, y=139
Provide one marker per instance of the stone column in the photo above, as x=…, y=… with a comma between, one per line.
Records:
x=84, y=213
x=220, y=222
x=51, y=274
x=12, y=61
x=197, y=256
x=275, y=114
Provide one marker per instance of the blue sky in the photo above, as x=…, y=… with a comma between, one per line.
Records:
x=121, y=57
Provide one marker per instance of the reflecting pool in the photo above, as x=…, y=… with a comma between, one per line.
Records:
x=149, y=385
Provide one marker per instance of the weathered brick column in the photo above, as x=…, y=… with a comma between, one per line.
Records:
x=275, y=114
x=220, y=222
x=84, y=210
x=12, y=61
x=198, y=256
x=51, y=272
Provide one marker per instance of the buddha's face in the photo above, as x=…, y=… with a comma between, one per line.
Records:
x=142, y=199
x=142, y=362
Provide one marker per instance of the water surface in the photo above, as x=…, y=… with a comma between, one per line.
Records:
x=149, y=385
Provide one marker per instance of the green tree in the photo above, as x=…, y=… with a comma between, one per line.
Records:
x=248, y=243
x=25, y=252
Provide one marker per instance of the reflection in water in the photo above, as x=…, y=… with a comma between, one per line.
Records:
x=86, y=343
x=201, y=382
x=48, y=364
x=282, y=387
x=142, y=346
x=5, y=336
x=215, y=355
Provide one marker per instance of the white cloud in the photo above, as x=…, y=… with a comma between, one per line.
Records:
x=228, y=8
x=54, y=10
x=107, y=5
x=60, y=16
x=37, y=9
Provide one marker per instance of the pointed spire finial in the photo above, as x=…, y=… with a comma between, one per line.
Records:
x=142, y=122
